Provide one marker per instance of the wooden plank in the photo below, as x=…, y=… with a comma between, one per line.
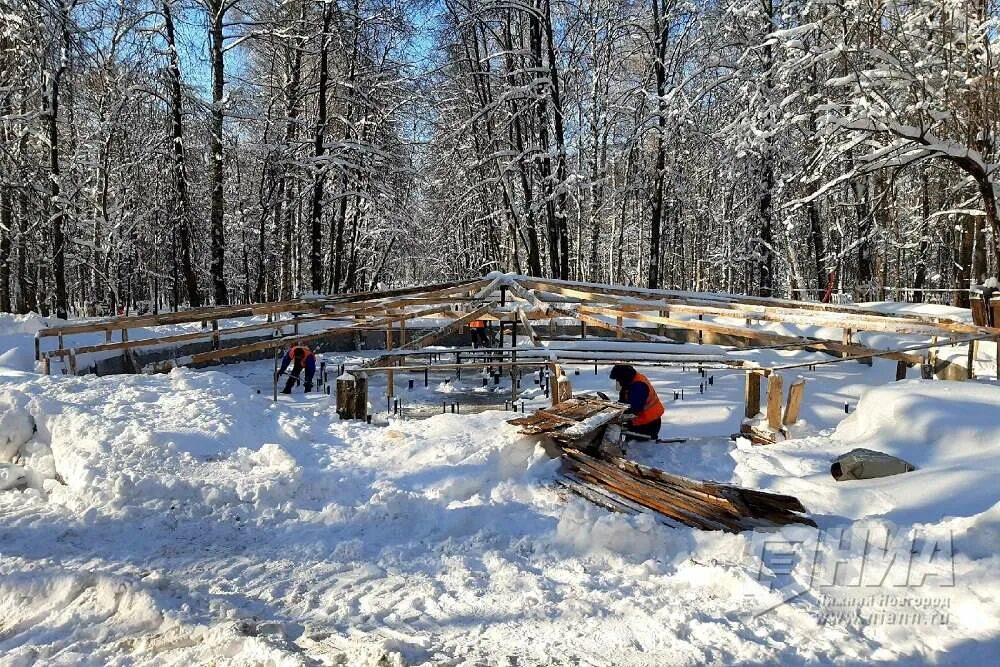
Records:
x=584, y=290
x=795, y=395
x=753, y=334
x=901, y=370
x=215, y=355
x=625, y=332
x=751, y=395
x=775, y=393
x=225, y=312
x=740, y=307
x=431, y=337
x=520, y=292
x=526, y=323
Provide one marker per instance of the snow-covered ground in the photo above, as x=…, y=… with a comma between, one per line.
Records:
x=185, y=519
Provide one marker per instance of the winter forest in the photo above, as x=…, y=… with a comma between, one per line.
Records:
x=162, y=153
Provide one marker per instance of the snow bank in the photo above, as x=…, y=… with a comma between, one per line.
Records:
x=17, y=340
x=185, y=519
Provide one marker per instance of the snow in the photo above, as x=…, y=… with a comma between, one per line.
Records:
x=184, y=518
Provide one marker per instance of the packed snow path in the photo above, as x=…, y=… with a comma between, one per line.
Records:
x=184, y=519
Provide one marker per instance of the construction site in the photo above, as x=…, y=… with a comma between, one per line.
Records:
x=508, y=470
x=546, y=343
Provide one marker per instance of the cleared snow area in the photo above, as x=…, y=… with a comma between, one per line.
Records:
x=185, y=519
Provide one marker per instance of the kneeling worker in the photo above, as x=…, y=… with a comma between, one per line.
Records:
x=300, y=357
x=636, y=390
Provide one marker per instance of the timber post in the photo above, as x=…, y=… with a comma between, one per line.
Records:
x=794, y=405
x=775, y=390
x=752, y=394
x=352, y=396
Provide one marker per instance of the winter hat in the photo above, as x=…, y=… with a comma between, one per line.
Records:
x=623, y=373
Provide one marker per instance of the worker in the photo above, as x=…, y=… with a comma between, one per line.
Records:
x=300, y=357
x=644, y=405
x=479, y=337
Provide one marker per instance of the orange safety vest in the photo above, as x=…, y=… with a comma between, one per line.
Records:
x=653, y=409
x=291, y=352
x=477, y=324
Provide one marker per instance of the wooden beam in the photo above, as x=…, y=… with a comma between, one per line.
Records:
x=433, y=336
x=224, y=312
x=775, y=393
x=625, y=332
x=761, y=309
x=751, y=395
x=794, y=406
x=765, y=337
x=526, y=323
x=522, y=293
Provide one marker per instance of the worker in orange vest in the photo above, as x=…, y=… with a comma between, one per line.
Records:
x=643, y=403
x=479, y=335
x=301, y=358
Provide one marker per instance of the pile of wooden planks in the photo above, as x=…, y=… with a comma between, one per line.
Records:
x=627, y=486
x=574, y=431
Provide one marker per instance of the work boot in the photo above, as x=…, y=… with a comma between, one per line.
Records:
x=308, y=387
x=288, y=386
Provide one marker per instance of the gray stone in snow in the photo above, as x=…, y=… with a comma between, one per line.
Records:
x=863, y=463
x=12, y=476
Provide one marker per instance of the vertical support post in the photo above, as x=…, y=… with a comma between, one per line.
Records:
x=775, y=392
x=661, y=329
x=846, y=340
x=124, y=336
x=215, y=334
x=107, y=335
x=932, y=356
x=47, y=364
x=513, y=333
x=900, y=370
x=38, y=348
x=795, y=394
x=274, y=392
x=751, y=395
x=619, y=322
x=970, y=373
x=503, y=296
x=389, y=379
x=583, y=330
x=701, y=334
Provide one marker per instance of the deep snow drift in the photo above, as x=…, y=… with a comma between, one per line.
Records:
x=183, y=518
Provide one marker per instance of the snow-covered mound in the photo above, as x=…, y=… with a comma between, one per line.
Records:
x=185, y=519
x=17, y=340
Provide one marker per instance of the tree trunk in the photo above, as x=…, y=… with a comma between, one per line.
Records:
x=319, y=171
x=6, y=231
x=559, y=198
x=55, y=190
x=217, y=10
x=656, y=219
x=925, y=209
x=182, y=220
x=964, y=262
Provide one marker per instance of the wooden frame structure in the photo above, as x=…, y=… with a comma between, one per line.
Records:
x=627, y=317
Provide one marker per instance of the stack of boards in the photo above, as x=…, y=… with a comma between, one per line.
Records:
x=622, y=485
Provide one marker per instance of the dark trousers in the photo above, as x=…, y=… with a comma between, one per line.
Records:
x=652, y=429
x=479, y=338
x=293, y=376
